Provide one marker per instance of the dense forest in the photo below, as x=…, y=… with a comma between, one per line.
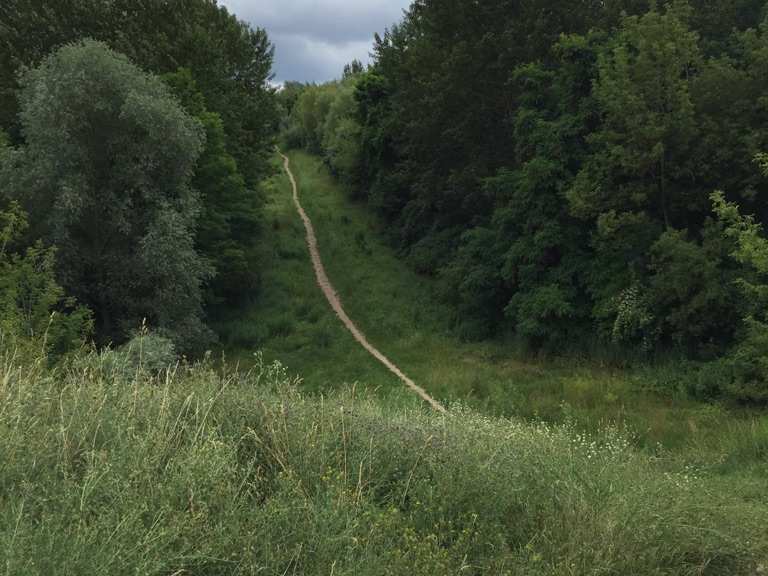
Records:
x=135, y=138
x=572, y=174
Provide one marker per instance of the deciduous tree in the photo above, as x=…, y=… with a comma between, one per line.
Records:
x=105, y=175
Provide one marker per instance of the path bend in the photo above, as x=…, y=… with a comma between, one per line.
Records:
x=333, y=298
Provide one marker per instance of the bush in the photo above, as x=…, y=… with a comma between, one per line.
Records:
x=691, y=291
x=35, y=315
x=748, y=363
x=145, y=353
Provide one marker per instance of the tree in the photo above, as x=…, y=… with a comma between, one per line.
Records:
x=642, y=158
x=639, y=179
x=691, y=290
x=230, y=61
x=109, y=186
x=287, y=97
x=354, y=68
x=341, y=134
x=230, y=218
x=729, y=94
x=748, y=360
x=530, y=258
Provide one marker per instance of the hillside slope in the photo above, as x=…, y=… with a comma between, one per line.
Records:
x=195, y=471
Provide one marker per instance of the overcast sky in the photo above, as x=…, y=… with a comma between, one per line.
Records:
x=314, y=38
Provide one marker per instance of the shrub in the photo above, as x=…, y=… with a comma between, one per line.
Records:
x=145, y=353
x=35, y=315
x=691, y=290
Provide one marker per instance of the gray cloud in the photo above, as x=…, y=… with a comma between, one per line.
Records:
x=314, y=38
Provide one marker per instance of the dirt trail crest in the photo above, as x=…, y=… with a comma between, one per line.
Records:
x=333, y=298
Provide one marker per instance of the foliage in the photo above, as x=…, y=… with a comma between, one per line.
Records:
x=341, y=135
x=237, y=473
x=691, y=290
x=749, y=358
x=144, y=354
x=225, y=472
x=551, y=166
x=322, y=119
x=229, y=224
x=642, y=152
x=230, y=61
x=287, y=97
x=110, y=187
x=354, y=68
x=539, y=250
x=35, y=315
x=397, y=309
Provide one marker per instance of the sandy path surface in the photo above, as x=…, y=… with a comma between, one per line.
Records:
x=333, y=299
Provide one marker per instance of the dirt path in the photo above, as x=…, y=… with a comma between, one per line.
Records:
x=333, y=299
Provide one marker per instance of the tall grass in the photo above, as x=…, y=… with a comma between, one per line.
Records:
x=197, y=470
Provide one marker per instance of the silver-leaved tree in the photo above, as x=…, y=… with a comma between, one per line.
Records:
x=104, y=174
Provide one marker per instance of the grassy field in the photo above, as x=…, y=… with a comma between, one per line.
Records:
x=395, y=307
x=194, y=471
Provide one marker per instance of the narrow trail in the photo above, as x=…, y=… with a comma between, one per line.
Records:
x=333, y=299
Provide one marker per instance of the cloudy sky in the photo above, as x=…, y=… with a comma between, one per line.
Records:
x=314, y=38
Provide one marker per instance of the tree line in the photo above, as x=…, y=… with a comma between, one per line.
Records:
x=571, y=173
x=135, y=136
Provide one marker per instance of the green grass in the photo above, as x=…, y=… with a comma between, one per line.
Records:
x=199, y=471
x=396, y=308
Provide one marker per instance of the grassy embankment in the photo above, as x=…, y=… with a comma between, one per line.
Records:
x=293, y=323
x=111, y=471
